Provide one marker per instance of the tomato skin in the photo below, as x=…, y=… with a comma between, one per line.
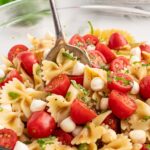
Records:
x=97, y=59
x=80, y=113
x=121, y=105
x=63, y=137
x=117, y=41
x=145, y=47
x=119, y=64
x=90, y=39
x=118, y=85
x=8, y=138
x=106, y=51
x=59, y=85
x=78, y=79
x=15, y=50
x=113, y=122
x=78, y=41
x=27, y=59
x=10, y=76
x=40, y=124
x=145, y=87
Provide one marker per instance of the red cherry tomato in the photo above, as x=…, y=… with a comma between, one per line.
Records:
x=78, y=79
x=145, y=87
x=8, y=138
x=78, y=41
x=15, y=50
x=97, y=59
x=119, y=64
x=59, y=85
x=40, y=124
x=80, y=113
x=27, y=59
x=120, y=82
x=113, y=122
x=90, y=39
x=145, y=147
x=145, y=47
x=106, y=51
x=121, y=105
x=117, y=41
x=10, y=76
x=63, y=137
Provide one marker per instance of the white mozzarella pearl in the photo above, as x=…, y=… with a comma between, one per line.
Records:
x=135, y=88
x=67, y=125
x=2, y=73
x=104, y=103
x=20, y=146
x=76, y=131
x=134, y=59
x=91, y=47
x=138, y=136
x=136, y=52
x=78, y=69
x=97, y=84
x=6, y=107
x=37, y=105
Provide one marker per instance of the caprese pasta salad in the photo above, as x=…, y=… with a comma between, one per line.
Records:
x=66, y=105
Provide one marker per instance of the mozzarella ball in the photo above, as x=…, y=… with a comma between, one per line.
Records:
x=20, y=146
x=78, y=69
x=67, y=125
x=2, y=73
x=91, y=47
x=138, y=136
x=134, y=59
x=136, y=52
x=37, y=105
x=97, y=84
x=104, y=103
x=77, y=130
x=6, y=107
x=135, y=88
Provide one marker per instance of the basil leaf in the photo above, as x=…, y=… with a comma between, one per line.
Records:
x=67, y=55
x=146, y=117
x=13, y=95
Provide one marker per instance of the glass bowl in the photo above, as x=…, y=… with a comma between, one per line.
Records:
x=22, y=17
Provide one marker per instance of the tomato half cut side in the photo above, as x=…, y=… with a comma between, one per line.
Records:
x=121, y=105
x=80, y=113
x=119, y=64
x=106, y=51
x=59, y=85
x=15, y=50
x=145, y=47
x=78, y=41
x=78, y=79
x=63, y=137
x=8, y=138
x=119, y=81
x=90, y=39
x=117, y=41
x=97, y=59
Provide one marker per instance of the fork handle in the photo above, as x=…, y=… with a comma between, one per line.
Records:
x=57, y=24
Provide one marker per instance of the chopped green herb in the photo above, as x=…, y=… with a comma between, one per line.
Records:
x=83, y=147
x=91, y=27
x=38, y=71
x=2, y=79
x=44, y=141
x=145, y=65
x=104, y=67
x=67, y=55
x=27, y=142
x=127, y=71
x=148, y=146
x=136, y=62
x=1, y=109
x=68, y=94
x=125, y=82
x=13, y=95
x=146, y=117
x=108, y=76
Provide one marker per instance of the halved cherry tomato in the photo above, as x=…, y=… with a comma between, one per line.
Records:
x=58, y=85
x=117, y=41
x=15, y=50
x=145, y=87
x=63, y=137
x=97, y=59
x=106, y=51
x=8, y=138
x=80, y=113
x=78, y=79
x=78, y=41
x=119, y=81
x=145, y=47
x=27, y=59
x=121, y=105
x=10, y=76
x=90, y=39
x=40, y=124
x=113, y=122
x=119, y=64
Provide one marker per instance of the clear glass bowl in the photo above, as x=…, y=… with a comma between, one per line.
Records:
x=21, y=17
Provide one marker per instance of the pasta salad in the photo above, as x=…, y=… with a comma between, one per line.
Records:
x=66, y=105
